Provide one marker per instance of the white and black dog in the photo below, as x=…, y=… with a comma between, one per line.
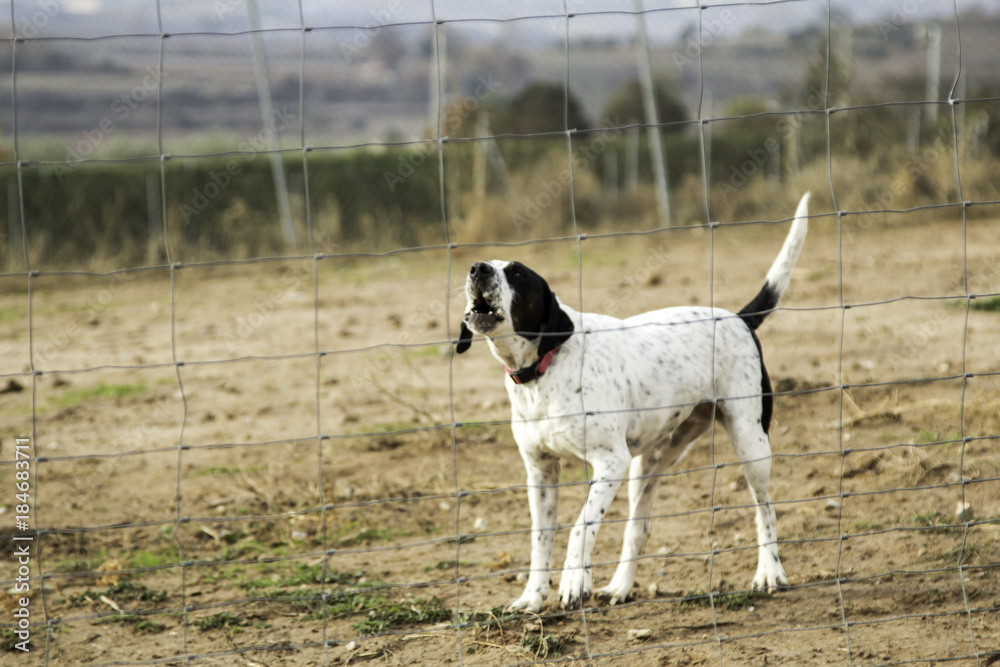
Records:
x=628, y=397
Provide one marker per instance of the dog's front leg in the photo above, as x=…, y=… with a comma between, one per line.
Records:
x=543, y=499
x=577, y=582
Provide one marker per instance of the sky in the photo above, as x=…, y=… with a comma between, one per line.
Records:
x=666, y=18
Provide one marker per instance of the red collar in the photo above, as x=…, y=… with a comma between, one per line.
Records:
x=535, y=370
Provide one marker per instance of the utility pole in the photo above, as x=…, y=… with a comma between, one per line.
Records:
x=267, y=117
x=656, y=155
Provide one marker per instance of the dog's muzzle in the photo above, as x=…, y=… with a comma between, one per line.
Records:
x=482, y=315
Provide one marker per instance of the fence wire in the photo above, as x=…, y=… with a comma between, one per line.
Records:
x=466, y=620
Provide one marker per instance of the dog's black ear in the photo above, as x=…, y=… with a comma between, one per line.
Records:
x=464, y=339
x=557, y=327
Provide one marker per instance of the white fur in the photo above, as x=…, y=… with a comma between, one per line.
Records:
x=629, y=397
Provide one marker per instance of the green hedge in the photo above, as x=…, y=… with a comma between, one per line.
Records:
x=222, y=206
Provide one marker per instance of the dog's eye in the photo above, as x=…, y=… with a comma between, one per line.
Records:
x=516, y=272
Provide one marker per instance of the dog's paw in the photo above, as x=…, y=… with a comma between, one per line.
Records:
x=770, y=579
x=576, y=587
x=612, y=594
x=620, y=587
x=530, y=601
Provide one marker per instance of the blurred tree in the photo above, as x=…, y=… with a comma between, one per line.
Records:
x=827, y=77
x=748, y=109
x=541, y=107
x=626, y=105
x=389, y=48
x=826, y=84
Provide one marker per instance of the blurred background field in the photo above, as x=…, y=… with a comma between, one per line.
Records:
x=125, y=136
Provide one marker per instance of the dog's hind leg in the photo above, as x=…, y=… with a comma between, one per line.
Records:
x=741, y=419
x=644, y=477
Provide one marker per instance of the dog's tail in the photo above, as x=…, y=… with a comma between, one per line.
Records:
x=781, y=271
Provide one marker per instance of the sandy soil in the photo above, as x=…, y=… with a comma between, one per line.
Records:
x=177, y=425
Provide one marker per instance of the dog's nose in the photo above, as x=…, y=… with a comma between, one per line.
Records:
x=480, y=269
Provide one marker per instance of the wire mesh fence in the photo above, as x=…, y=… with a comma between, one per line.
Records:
x=236, y=240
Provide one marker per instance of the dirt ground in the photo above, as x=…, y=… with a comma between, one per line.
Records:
x=197, y=458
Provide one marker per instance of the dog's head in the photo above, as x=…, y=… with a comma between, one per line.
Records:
x=509, y=298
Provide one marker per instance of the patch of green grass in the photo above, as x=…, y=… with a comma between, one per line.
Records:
x=305, y=575
x=123, y=591
x=926, y=436
x=313, y=574
x=946, y=441
x=422, y=352
x=246, y=548
x=577, y=472
x=128, y=590
x=989, y=304
x=215, y=575
x=935, y=522
x=317, y=595
x=866, y=526
x=303, y=600
x=478, y=428
x=101, y=391
x=80, y=600
x=737, y=601
x=925, y=518
x=83, y=563
x=382, y=617
x=491, y=619
x=13, y=314
x=9, y=641
x=543, y=646
x=139, y=624
x=221, y=621
x=298, y=590
x=145, y=558
x=348, y=602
